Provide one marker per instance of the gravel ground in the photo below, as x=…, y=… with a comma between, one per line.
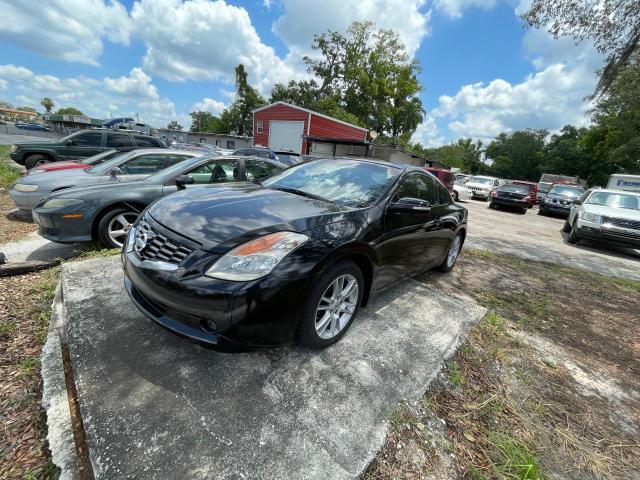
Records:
x=537, y=237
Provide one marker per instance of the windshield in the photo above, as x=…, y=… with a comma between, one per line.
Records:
x=515, y=188
x=109, y=164
x=351, y=183
x=567, y=191
x=287, y=159
x=74, y=134
x=615, y=200
x=99, y=158
x=481, y=180
x=544, y=187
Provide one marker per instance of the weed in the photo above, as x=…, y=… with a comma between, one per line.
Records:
x=401, y=416
x=28, y=366
x=8, y=175
x=516, y=461
x=454, y=374
x=9, y=327
x=97, y=250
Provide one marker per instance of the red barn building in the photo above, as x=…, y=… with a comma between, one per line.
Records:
x=282, y=126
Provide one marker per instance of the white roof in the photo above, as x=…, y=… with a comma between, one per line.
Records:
x=312, y=112
x=615, y=190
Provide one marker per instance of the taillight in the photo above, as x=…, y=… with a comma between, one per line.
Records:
x=494, y=194
x=527, y=199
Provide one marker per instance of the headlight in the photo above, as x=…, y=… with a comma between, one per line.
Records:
x=131, y=239
x=35, y=171
x=14, y=148
x=62, y=202
x=256, y=258
x=23, y=187
x=589, y=217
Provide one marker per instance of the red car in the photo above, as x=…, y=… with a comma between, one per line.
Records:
x=447, y=177
x=533, y=189
x=85, y=163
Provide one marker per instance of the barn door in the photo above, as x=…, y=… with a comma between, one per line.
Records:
x=286, y=135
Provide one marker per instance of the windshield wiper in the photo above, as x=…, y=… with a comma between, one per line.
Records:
x=300, y=192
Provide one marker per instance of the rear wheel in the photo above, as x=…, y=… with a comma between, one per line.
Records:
x=566, y=228
x=455, y=195
x=492, y=205
x=114, y=225
x=452, y=254
x=541, y=211
x=35, y=160
x=331, y=306
x=524, y=211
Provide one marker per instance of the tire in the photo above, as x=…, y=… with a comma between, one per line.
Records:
x=448, y=263
x=541, y=211
x=110, y=223
x=566, y=228
x=488, y=199
x=492, y=205
x=573, y=237
x=455, y=196
x=307, y=333
x=35, y=160
x=524, y=211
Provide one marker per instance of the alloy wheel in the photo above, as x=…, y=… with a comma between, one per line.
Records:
x=119, y=226
x=454, y=250
x=336, y=306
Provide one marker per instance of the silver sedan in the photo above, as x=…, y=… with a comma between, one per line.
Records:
x=130, y=166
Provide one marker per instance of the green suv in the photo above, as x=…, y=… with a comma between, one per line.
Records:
x=80, y=145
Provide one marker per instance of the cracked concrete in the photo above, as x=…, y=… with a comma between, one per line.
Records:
x=156, y=406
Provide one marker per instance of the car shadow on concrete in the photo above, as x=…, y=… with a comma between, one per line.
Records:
x=603, y=248
x=155, y=405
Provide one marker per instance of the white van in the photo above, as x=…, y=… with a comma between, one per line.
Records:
x=621, y=181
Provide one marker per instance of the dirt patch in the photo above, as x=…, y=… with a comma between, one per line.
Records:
x=25, y=306
x=12, y=227
x=547, y=385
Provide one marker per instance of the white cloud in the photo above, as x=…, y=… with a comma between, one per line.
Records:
x=454, y=8
x=99, y=98
x=428, y=133
x=304, y=18
x=551, y=97
x=71, y=30
x=205, y=41
x=208, y=105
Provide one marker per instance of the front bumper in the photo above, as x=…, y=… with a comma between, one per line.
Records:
x=614, y=236
x=26, y=200
x=464, y=194
x=212, y=311
x=480, y=194
x=556, y=208
x=55, y=228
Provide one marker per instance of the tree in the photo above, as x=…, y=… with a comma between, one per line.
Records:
x=463, y=154
x=47, y=103
x=238, y=118
x=518, y=154
x=174, y=125
x=368, y=74
x=69, y=111
x=612, y=25
x=206, y=122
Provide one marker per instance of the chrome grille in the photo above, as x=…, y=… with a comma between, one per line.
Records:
x=622, y=223
x=152, y=245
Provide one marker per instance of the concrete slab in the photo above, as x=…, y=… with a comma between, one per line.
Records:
x=34, y=247
x=156, y=406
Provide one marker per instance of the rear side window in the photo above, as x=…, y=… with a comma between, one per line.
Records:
x=88, y=139
x=144, y=164
x=417, y=186
x=257, y=170
x=148, y=142
x=118, y=140
x=174, y=158
x=449, y=177
x=444, y=197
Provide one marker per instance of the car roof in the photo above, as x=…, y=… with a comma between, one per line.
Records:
x=613, y=190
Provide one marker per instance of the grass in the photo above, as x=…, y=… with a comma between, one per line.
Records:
x=8, y=174
x=41, y=294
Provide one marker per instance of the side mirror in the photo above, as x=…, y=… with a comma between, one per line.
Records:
x=577, y=202
x=409, y=204
x=114, y=172
x=70, y=142
x=183, y=180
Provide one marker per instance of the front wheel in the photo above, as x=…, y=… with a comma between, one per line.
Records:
x=332, y=305
x=36, y=160
x=566, y=228
x=452, y=254
x=455, y=196
x=573, y=237
x=541, y=211
x=114, y=225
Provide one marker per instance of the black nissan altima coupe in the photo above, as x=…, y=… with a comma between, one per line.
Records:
x=293, y=257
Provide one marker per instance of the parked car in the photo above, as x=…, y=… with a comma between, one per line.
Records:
x=445, y=176
x=461, y=192
x=85, y=163
x=28, y=191
x=34, y=127
x=482, y=186
x=115, y=122
x=285, y=157
x=559, y=199
x=605, y=215
x=533, y=190
x=548, y=180
x=79, y=145
x=512, y=195
x=298, y=254
x=621, y=181
x=462, y=178
x=105, y=212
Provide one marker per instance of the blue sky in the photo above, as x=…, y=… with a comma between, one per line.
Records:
x=483, y=72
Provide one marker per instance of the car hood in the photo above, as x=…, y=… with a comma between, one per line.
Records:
x=214, y=216
x=99, y=189
x=561, y=197
x=480, y=185
x=625, y=213
x=59, y=178
x=37, y=144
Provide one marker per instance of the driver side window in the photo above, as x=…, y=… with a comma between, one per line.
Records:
x=143, y=165
x=219, y=171
x=417, y=186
